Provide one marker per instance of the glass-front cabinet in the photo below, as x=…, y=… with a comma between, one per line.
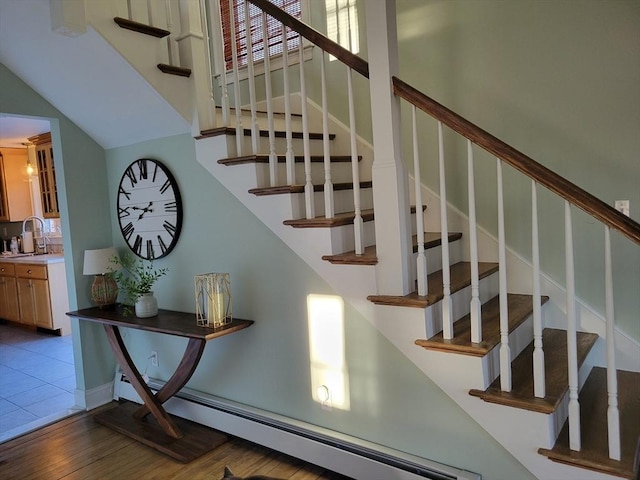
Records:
x=46, y=175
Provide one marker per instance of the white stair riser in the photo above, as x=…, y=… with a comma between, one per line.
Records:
x=280, y=146
x=340, y=172
x=434, y=258
x=343, y=202
x=460, y=304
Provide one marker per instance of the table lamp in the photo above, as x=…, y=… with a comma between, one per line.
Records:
x=104, y=291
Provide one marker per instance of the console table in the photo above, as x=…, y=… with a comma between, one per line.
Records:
x=179, y=438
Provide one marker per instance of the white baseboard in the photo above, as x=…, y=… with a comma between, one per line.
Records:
x=340, y=453
x=94, y=397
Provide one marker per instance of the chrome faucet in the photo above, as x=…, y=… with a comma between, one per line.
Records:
x=33, y=219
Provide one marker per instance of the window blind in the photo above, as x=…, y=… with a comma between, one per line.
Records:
x=274, y=30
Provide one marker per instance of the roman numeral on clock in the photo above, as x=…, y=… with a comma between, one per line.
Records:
x=137, y=245
x=127, y=231
x=142, y=166
x=170, y=228
x=163, y=246
x=150, y=252
x=170, y=207
x=165, y=186
x=122, y=191
x=123, y=212
x=132, y=177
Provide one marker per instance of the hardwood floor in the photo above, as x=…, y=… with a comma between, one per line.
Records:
x=79, y=448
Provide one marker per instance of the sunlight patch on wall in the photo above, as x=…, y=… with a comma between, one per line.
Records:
x=342, y=24
x=329, y=379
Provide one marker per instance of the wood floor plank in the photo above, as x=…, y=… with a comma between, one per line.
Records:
x=78, y=448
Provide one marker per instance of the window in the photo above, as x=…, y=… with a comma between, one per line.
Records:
x=342, y=23
x=274, y=31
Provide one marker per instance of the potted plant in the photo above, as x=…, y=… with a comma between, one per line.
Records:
x=135, y=278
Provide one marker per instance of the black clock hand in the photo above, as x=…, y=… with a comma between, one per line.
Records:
x=144, y=210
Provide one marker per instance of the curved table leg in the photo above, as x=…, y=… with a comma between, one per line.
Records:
x=149, y=399
x=183, y=373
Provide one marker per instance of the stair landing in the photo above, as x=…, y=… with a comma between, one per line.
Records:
x=593, y=408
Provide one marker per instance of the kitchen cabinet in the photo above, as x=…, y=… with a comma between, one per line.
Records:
x=33, y=295
x=39, y=288
x=46, y=175
x=15, y=192
x=9, y=309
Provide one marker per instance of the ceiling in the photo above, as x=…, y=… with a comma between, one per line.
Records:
x=14, y=131
x=83, y=77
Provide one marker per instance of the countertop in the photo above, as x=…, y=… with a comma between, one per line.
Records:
x=37, y=259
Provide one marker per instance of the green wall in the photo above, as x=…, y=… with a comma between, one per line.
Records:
x=82, y=196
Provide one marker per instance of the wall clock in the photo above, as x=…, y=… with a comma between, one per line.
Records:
x=149, y=209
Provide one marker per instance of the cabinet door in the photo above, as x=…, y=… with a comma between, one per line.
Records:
x=4, y=205
x=25, y=298
x=46, y=175
x=35, y=303
x=9, y=309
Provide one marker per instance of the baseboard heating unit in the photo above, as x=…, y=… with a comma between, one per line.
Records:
x=334, y=451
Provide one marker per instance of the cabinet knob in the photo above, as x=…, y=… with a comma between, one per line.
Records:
x=29, y=271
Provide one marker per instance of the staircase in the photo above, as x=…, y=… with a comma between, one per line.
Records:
x=465, y=360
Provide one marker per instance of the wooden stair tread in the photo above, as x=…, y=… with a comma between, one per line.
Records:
x=173, y=70
x=554, y=342
x=263, y=191
x=282, y=159
x=214, y=132
x=594, y=453
x=460, y=274
x=369, y=257
x=520, y=308
x=340, y=219
x=141, y=27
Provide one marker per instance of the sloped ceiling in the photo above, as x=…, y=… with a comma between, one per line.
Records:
x=83, y=77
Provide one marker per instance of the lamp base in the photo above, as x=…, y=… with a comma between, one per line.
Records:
x=104, y=292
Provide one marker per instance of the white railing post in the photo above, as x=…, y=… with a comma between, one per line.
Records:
x=476, y=319
x=421, y=261
x=391, y=192
x=273, y=159
x=505, y=350
x=358, y=224
x=251, y=80
x=613, y=415
x=539, y=383
x=447, y=318
x=572, y=347
x=328, y=184
x=290, y=165
x=310, y=209
x=219, y=58
x=194, y=54
x=236, y=80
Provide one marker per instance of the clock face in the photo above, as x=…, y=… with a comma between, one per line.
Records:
x=149, y=209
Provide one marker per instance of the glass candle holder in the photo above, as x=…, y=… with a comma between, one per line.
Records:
x=213, y=299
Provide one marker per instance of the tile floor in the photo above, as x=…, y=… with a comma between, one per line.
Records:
x=37, y=379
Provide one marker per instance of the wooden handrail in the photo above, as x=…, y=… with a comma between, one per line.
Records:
x=345, y=56
x=518, y=160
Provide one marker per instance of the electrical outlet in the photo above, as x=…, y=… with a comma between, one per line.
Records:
x=622, y=206
x=154, y=358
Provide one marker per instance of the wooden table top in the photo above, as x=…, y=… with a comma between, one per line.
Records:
x=171, y=322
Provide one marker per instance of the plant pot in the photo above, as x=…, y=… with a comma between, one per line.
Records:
x=146, y=306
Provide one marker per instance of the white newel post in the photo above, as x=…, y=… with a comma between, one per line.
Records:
x=193, y=54
x=390, y=182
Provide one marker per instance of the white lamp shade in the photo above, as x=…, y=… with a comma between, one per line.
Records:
x=98, y=262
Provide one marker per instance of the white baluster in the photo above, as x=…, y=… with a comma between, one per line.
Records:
x=476, y=320
x=129, y=13
x=290, y=165
x=216, y=14
x=539, y=385
x=358, y=224
x=447, y=319
x=308, y=185
x=572, y=347
x=211, y=112
x=328, y=184
x=150, y=13
x=273, y=159
x=505, y=350
x=421, y=265
x=236, y=81
x=170, y=28
x=255, y=133
x=613, y=415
